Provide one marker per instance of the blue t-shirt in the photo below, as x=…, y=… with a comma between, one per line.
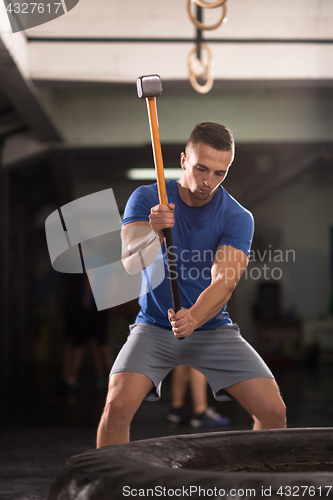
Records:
x=197, y=234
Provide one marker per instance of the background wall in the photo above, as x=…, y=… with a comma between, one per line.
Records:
x=259, y=112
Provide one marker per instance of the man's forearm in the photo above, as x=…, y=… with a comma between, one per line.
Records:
x=211, y=301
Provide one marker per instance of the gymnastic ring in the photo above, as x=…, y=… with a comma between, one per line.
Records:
x=207, y=74
x=213, y=5
x=202, y=26
x=196, y=62
x=193, y=61
x=202, y=89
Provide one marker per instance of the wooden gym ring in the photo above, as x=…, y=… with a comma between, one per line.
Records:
x=206, y=73
x=208, y=5
x=202, y=26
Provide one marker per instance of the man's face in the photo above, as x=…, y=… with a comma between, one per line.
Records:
x=204, y=169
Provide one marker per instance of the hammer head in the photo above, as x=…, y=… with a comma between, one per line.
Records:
x=149, y=86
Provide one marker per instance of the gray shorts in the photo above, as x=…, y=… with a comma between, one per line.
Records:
x=222, y=355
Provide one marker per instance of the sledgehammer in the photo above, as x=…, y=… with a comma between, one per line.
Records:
x=149, y=87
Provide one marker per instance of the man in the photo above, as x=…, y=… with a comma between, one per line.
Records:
x=212, y=235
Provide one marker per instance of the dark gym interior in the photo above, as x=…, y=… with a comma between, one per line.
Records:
x=283, y=305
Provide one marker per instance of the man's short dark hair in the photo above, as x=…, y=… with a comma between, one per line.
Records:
x=213, y=134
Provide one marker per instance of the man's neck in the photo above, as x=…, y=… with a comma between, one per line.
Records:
x=190, y=200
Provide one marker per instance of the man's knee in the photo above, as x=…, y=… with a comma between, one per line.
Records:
x=279, y=413
x=125, y=394
x=116, y=412
x=273, y=415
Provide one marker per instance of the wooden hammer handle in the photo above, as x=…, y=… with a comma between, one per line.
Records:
x=157, y=151
x=158, y=160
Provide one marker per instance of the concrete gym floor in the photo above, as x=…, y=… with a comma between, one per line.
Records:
x=42, y=428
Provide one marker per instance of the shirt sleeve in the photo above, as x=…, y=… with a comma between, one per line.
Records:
x=138, y=206
x=238, y=232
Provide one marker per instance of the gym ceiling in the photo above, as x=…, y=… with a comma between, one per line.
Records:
x=68, y=97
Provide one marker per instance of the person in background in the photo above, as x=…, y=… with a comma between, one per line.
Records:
x=84, y=325
x=203, y=415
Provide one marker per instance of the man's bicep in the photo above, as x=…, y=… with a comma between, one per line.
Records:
x=129, y=233
x=140, y=246
x=128, y=229
x=229, y=264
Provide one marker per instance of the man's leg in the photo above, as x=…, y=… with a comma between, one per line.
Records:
x=125, y=394
x=261, y=398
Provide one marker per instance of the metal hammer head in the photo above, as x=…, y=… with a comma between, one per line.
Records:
x=149, y=86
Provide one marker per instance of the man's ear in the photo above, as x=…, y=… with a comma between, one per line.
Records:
x=182, y=160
